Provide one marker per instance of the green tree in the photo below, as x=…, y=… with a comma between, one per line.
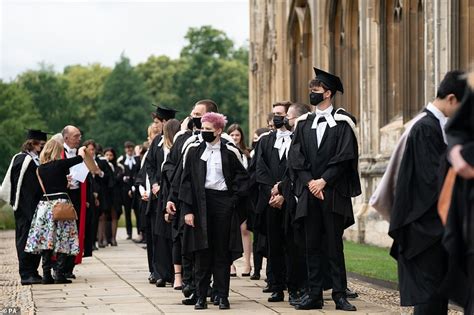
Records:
x=48, y=91
x=85, y=85
x=207, y=41
x=124, y=107
x=18, y=113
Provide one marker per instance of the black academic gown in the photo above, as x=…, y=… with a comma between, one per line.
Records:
x=335, y=160
x=193, y=197
x=92, y=215
x=459, y=232
x=29, y=195
x=415, y=225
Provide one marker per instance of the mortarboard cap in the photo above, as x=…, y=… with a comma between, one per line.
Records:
x=34, y=134
x=164, y=112
x=331, y=81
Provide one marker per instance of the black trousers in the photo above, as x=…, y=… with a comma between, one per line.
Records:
x=28, y=263
x=149, y=243
x=295, y=266
x=216, y=259
x=470, y=267
x=276, y=247
x=127, y=205
x=257, y=256
x=162, y=254
x=75, y=196
x=326, y=223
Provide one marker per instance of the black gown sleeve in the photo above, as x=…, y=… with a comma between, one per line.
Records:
x=297, y=159
x=68, y=163
x=151, y=162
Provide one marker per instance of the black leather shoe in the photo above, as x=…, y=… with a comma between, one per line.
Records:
x=294, y=298
x=344, y=305
x=278, y=296
x=268, y=289
x=351, y=294
x=215, y=300
x=70, y=275
x=47, y=278
x=201, y=304
x=187, y=290
x=30, y=280
x=191, y=300
x=309, y=303
x=224, y=303
x=61, y=280
x=255, y=276
x=160, y=283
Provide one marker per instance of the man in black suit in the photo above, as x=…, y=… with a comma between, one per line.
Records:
x=131, y=165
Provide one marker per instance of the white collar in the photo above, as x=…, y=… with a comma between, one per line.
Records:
x=209, y=150
x=68, y=149
x=327, y=113
x=437, y=113
x=129, y=157
x=213, y=146
x=281, y=133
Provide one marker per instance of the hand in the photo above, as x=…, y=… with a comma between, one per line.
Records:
x=130, y=194
x=97, y=203
x=145, y=196
x=126, y=178
x=87, y=205
x=155, y=189
x=189, y=219
x=170, y=207
x=69, y=180
x=275, y=189
x=276, y=201
x=316, y=186
x=460, y=166
x=82, y=152
x=167, y=217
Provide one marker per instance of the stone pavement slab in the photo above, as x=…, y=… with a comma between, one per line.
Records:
x=114, y=280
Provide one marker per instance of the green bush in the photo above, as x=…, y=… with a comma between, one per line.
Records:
x=7, y=220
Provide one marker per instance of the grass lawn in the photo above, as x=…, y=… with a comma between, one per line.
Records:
x=370, y=261
x=7, y=220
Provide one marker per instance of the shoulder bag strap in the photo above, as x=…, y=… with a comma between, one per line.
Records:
x=41, y=183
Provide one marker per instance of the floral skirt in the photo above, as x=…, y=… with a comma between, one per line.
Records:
x=47, y=234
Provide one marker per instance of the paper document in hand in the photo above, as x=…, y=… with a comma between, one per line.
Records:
x=79, y=172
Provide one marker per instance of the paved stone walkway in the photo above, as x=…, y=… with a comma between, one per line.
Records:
x=115, y=281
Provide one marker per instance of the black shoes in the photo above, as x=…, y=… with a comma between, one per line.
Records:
x=294, y=298
x=344, y=305
x=152, y=279
x=129, y=237
x=224, y=303
x=61, y=280
x=309, y=303
x=278, y=296
x=233, y=275
x=70, y=275
x=268, y=289
x=255, y=276
x=191, y=300
x=201, y=304
x=30, y=280
x=351, y=294
x=47, y=278
x=247, y=274
x=187, y=290
x=160, y=283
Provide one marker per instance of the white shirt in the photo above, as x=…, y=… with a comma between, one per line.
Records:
x=440, y=116
x=70, y=153
x=282, y=143
x=214, y=176
x=321, y=127
x=129, y=161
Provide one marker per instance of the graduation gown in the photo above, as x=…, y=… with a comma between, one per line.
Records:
x=414, y=222
x=23, y=192
x=335, y=160
x=459, y=231
x=193, y=196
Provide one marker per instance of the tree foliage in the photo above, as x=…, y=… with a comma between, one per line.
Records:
x=114, y=105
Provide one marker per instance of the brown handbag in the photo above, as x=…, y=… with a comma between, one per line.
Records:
x=62, y=211
x=444, y=201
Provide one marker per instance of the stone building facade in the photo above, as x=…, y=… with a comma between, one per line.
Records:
x=390, y=55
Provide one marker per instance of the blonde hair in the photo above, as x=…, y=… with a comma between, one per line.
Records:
x=51, y=151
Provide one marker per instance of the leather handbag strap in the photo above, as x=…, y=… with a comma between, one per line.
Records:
x=41, y=183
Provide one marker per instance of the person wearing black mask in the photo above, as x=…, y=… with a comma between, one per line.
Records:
x=323, y=159
x=214, y=183
x=271, y=163
x=174, y=165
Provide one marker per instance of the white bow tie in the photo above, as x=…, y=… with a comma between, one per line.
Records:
x=327, y=115
x=209, y=150
x=282, y=142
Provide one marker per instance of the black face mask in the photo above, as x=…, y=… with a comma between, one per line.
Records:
x=316, y=98
x=278, y=121
x=197, y=122
x=254, y=144
x=208, y=136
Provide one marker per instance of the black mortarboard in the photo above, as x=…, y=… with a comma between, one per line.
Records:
x=164, y=112
x=331, y=81
x=34, y=134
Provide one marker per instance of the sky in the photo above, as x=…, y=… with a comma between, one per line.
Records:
x=67, y=32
